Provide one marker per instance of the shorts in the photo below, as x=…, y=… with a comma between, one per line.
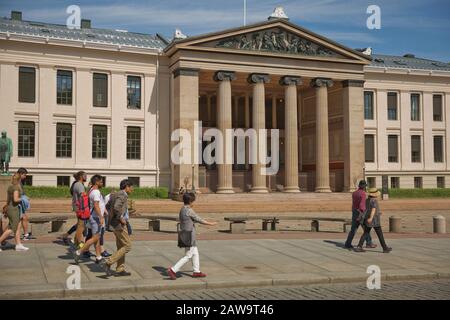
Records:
x=95, y=225
x=14, y=217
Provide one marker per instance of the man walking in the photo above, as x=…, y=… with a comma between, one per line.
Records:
x=118, y=207
x=358, y=210
x=96, y=219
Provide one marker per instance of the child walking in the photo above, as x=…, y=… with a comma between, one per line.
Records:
x=188, y=218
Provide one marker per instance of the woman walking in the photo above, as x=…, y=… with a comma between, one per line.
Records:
x=372, y=220
x=11, y=209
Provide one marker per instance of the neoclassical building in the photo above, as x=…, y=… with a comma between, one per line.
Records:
x=107, y=101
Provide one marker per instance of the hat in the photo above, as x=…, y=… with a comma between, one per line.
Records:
x=373, y=192
x=362, y=184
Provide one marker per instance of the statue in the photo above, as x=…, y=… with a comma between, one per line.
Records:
x=6, y=150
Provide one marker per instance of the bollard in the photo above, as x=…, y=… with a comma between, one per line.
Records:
x=439, y=224
x=395, y=224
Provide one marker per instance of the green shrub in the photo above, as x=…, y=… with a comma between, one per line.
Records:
x=64, y=193
x=419, y=193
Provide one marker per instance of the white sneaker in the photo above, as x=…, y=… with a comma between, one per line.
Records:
x=21, y=247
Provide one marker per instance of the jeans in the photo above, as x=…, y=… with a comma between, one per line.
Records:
x=102, y=234
x=355, y=225
x=191, y=253
x=379, y=233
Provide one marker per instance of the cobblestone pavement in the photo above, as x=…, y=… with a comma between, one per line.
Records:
x=393, y=290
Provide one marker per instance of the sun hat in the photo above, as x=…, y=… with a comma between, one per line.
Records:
x=373, y=192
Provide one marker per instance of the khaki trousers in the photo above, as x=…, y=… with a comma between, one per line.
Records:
x=123, y=243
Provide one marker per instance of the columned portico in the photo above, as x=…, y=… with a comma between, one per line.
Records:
x=291, y=133
x=322, y=145
x=224, y=120
x=259, y=106
x=273, y=75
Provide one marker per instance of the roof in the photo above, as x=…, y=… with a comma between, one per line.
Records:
x=85, y=35
x=405, y=62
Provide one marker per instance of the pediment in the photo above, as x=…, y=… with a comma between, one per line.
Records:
x=272, y=38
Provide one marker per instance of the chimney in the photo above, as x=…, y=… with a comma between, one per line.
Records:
x=85, y=24
x=16, y=15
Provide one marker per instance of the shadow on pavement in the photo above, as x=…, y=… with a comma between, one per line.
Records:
x=336, y=243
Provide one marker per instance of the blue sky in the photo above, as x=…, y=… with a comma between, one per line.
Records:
x=421, y=27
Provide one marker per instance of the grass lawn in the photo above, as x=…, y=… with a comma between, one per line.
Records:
x=63, y=192
x=419, y=193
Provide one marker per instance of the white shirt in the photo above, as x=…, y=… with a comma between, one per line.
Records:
x=96, y=196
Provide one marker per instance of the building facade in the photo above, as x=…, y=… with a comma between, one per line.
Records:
x=107, y=101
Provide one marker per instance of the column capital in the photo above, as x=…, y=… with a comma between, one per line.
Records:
x=289, y=80
x=321, y=82
x=185, y=72
x=223, y=75
x=353, y=83
x=258, y=78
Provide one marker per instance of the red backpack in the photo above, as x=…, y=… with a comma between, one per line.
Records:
x=83, y=209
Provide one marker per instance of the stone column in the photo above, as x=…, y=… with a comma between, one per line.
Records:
x=247, y=125
x=274, y=111
x=224, y=120
x=291, y=133
x=353, y=111
x=208, y=106
x=258, y=81
x=185, y=113
x=322, y=149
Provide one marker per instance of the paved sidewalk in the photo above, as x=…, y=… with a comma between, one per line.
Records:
x=41, y=272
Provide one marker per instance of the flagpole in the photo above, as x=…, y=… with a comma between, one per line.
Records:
x=245, y=12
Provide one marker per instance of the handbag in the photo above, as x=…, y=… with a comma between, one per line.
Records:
x=184, y=238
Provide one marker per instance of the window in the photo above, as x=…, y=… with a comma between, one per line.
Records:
x=64, y=87
x=63, y=140
x=438, y=143
x=100, y=90
x=134, y=92
x=27, y=84
x=133, y=143
x=440, y=182
x=415, y=107
x=437, y=107
x=418, y=183
x=28, y=181
x=371, y=182
x=26, y=139
x=392, y=106
x=99, y=142
x=392, y=148
x=135, y=181
x=415, y=149
x=369, y=147
x=63, y=181
x=395, y=182
x=368, y=105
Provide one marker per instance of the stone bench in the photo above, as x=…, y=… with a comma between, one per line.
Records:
x=238, y=224
x=154, y=223
x=42, y=225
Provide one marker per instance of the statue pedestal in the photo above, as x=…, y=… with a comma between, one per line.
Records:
x=5, y=181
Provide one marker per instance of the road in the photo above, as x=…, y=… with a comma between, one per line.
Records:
x=393, y=290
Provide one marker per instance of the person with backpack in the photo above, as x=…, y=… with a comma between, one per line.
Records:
x=12, y=211
x=96, y=219
x=25, y=202
x=186, y=238
x=118, y=208
x=77, y=189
